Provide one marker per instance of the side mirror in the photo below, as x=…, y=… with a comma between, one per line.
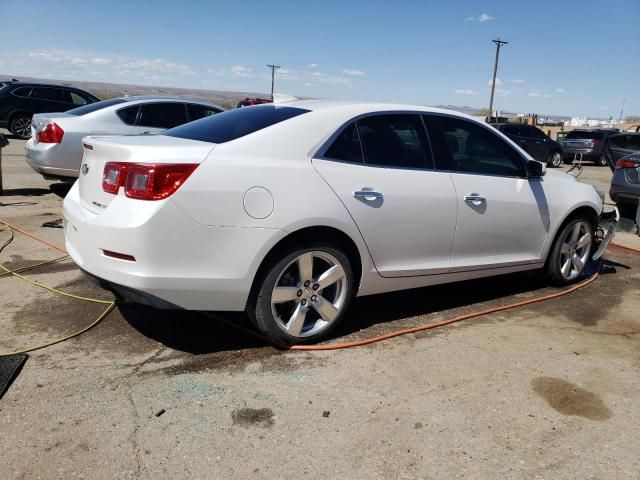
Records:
x=536, y=169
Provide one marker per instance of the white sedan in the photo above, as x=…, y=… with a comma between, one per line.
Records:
x=55, y=147
x=289, y=211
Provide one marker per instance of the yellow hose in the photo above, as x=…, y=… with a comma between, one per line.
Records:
x=7, y=272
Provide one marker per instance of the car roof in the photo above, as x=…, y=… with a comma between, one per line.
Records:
x=355, y=108
x=35, y=84
x=162, y=98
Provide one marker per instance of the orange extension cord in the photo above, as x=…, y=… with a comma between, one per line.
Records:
x=380, y=338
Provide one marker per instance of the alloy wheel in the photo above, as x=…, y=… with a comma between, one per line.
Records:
x=309, y=294
x=22, y=127
x=556, y=159
x=575, y=250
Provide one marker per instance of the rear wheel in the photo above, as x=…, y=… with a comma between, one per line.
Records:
x=302, y=296
x=571, y=251
x=555, y=159
x=20, y=126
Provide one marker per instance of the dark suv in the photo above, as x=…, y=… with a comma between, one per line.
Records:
x=20, y=100
x=534, y=142
x=589, y=143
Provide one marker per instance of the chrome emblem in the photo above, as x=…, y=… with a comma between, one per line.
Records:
x=85, y=168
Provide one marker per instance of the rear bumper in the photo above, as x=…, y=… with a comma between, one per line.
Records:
x=587, y=154
x=42, y=158
x=178, y=262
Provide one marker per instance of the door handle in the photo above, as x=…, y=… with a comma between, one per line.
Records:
x=475, y=199
x=367, y=194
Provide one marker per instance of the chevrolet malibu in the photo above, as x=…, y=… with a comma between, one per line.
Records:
x=288, y=211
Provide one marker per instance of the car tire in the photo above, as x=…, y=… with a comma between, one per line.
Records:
x=555, y=159
x=313, y=284
x=602, y=161
x=571, y=251
x=20, y=126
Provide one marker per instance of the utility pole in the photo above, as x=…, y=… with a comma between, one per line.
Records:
x=273, y=76
x=499, y=43
x=622, y=110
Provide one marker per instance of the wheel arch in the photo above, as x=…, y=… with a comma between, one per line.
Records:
x=13, y=114
x=582, y=210
x=305, y=236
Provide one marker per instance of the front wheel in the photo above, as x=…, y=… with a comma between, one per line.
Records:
x=602, y=161
x=555, y=159
x=570, y=252
x=302, y=296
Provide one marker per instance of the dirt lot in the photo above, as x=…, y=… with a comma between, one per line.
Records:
x=550, y=390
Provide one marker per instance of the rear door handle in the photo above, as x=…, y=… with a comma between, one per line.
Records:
x=475, y=199
x=367, y=194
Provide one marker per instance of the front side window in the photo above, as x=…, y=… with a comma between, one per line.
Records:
x=196, y=112
x=475, y=149
x=510, y=130
x=78, y=99
x=346, y=146
x=395, y=140
x=233, y=124
x=633, y=142
x=534, y=132
x=618, y=141
x=162, y=115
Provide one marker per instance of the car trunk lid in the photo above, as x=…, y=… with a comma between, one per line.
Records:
x=152, y=149
x=41, y=120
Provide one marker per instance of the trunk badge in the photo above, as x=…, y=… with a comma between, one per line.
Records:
x=85, y=168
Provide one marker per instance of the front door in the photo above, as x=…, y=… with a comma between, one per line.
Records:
x=503, y=217
x=381, y=168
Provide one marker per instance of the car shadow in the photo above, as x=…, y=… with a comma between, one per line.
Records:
x=197, y=333
x=59, y=189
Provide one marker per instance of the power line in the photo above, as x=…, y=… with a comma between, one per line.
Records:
x=499, y=43
x=273, y=76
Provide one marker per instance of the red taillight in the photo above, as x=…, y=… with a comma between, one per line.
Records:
x=52, y=133
x=143, y=181
x=626, y=164
x=113, y=176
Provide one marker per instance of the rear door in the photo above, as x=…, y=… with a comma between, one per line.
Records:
x=503, y=217
x=49, y=99
x=158, y=116
x=381, y=168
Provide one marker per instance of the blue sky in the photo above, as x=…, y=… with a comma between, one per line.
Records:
x=570, y=57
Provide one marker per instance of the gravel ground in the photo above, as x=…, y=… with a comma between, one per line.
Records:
x=550, y=390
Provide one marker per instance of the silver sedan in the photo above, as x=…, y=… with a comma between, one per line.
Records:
x=55, y=147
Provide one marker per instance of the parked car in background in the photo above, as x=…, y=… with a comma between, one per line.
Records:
x=289, y=210
x=624, y=152
x=55, y=150
x=247, y=102
x=19, y=101
x=534, y=142
x=633, y=128
x=586, y=143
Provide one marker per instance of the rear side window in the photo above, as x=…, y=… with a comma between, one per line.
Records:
x=346, y=146
x=633, y=142
x=233, y=124
x=618, y=141
x=162, y=115
x=93, y=107
x=475, y=149
x=78, y=99
x=196, y=112
x=128, y=115
x=53, y=94
x=581, y=135
x=395, y=140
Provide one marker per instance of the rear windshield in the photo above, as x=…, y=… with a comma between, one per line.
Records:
x=227, y=126
x=92, y=107
x=585, y=135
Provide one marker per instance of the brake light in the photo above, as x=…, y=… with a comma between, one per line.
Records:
x=145, y=181
x=113, y=177
x=52, y=133
x=626, y=164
